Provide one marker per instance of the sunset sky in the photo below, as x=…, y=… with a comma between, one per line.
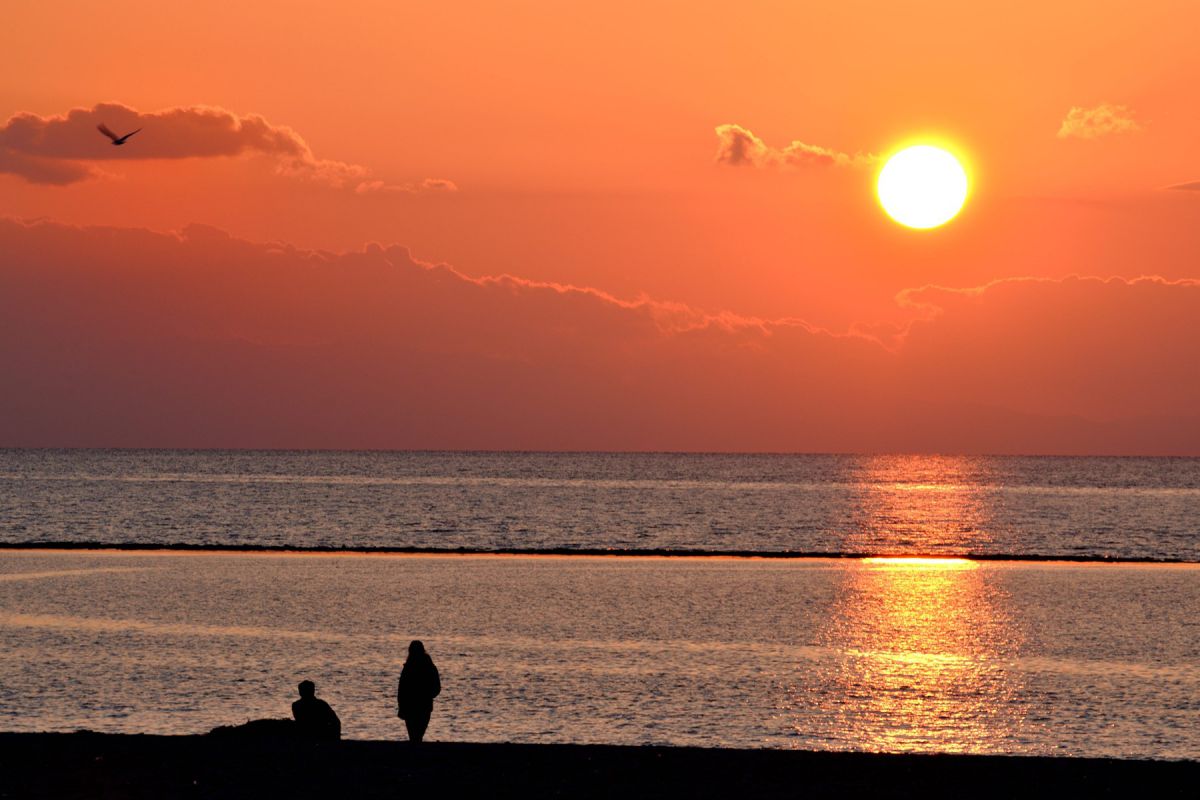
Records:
x=548, y=225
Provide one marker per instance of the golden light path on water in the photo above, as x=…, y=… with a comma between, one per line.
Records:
x=924, y=643
x=946, y=509
x=914, y=659
x=920, y=643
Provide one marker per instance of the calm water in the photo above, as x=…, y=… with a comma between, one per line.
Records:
x=1126, y=507
x=1084, y=659
x=871, y=655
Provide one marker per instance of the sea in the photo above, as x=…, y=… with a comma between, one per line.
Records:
x=1030, y=605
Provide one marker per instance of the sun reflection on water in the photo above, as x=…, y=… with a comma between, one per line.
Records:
x=931, y=562
x=923, y=504
x=919, y=649
x=918, y=645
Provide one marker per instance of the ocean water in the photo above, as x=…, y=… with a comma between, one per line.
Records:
x=947, y=655
x=1079, y=507
x=880, y=655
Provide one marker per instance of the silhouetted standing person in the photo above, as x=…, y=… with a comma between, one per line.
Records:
x=314, y=718
x=419, y=684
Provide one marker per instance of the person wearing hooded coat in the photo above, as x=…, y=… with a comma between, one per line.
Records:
x=419, y=684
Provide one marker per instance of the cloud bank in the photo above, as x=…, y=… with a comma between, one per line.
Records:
x=738, y=147
x=60, y=150
x=1103, y=120
x=126, y=337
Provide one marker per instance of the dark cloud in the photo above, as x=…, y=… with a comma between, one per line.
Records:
x=51, y=171
x=128, y=337
x=59, y=150
x=1100, y=348
x=738, y=147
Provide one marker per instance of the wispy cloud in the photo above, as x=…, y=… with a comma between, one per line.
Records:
x=738, y=147
x=412, y=187
x=1105, y=119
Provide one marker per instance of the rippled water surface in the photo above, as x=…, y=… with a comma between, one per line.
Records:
x=950, y=655
x=1123, y=507
x=894, y=655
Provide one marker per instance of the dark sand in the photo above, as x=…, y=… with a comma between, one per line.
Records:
x=109, y=766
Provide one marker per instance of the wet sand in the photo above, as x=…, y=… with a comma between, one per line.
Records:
x=113, y=766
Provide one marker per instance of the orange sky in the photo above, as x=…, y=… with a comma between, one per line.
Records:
x=575, y=144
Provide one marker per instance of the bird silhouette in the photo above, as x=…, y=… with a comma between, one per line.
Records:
x=116, y=140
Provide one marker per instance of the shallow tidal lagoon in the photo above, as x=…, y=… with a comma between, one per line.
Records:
x=897, y=655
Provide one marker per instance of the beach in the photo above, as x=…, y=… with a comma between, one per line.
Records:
x=133, y=766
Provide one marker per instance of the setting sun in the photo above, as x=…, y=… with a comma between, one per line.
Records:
x=922, y=186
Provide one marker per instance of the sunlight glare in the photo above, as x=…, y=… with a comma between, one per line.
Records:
x=923, y=562
x=922, y=186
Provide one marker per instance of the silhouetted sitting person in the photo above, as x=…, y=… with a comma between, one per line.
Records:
x=314, y=718
x=419, y=684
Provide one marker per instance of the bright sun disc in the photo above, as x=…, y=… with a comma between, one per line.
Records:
x=922, y=186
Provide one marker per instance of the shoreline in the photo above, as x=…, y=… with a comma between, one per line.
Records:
x=85, y=764
x=583, y=552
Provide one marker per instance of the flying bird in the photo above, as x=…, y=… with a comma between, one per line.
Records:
x=115, y=139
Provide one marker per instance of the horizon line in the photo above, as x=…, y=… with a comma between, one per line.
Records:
x=586, y=451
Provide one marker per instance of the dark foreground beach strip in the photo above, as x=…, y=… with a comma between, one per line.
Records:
x=110, y=766
x=181, y=547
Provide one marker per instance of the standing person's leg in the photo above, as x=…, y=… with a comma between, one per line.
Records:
x=416, y=723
